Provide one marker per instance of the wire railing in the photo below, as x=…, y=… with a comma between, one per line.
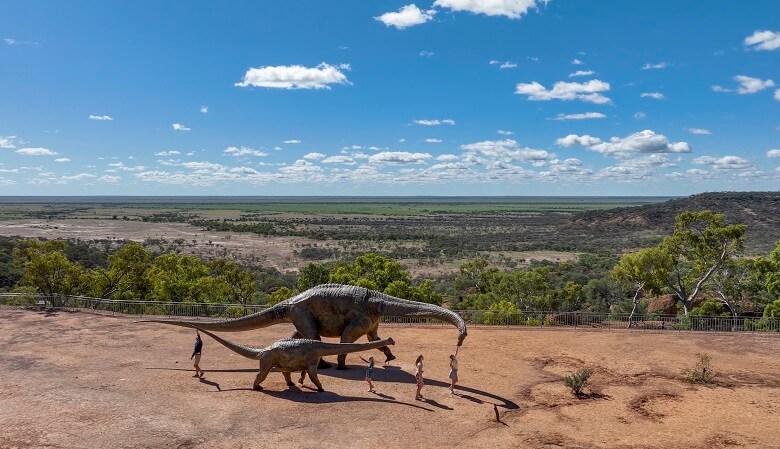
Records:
x=527, y=319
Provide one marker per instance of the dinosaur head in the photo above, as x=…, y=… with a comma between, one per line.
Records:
x=462, y=336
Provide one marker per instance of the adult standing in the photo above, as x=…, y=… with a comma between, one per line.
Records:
x=418, y=375
x=196, y=355
x=453, y=370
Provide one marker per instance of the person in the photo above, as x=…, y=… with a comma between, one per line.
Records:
x=418, y=375
x=196, y=355
x=369, y=373
x=453, y=370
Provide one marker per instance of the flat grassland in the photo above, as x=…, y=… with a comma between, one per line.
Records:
x=78, y=380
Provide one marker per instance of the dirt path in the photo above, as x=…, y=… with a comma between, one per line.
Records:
x=76, y=380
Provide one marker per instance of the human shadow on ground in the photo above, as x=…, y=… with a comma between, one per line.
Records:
x=397, y=375
x=246, y=370
x=208, y=382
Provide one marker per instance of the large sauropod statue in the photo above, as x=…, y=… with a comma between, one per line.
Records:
x=295, y=354
x=334, y=310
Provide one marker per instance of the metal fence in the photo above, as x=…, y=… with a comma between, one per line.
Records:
x=528, y=319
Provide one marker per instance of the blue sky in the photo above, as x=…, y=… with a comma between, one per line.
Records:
x=445, y=97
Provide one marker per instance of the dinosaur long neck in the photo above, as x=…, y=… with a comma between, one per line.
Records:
x=246, y=351
x=324, y=349
x=392, y=306
x=268, y=317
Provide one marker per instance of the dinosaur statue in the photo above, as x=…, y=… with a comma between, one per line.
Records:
x=295, y=354
x=334, y=310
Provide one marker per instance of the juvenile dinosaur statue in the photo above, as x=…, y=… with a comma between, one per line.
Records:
x=335, y=310
x=295, y=354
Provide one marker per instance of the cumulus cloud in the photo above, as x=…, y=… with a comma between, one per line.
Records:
x=244, y=151
x=292, y=141
x=504, y=132
x=763, y=40
x=508, y=65
x=110, y=179
x=490, y=152
x=660, y=65
x=314, y=156
x=640, y=116
x=407, y=16
x=653, y=95
x=204, y=109
x=576, y=62
x=346, y=160
x=35, y=152
x=581, y=73
x=433, y=140
x=446, y=158
x=13, y=42
x=167, y=153
x=180, y=127
x=7, y=141
x=426, y=54
x=777, y=95
x=723, y=163
x=121, y=166
x=100, y=118
x=747, y=85
x=399, y=158
x=295, y=76
x=513, y=9
x=78, y=177
x=583, y=116
x=62, y=159
x=646, y=141
x=699, y=131
x=773, y=153
x=425, y=122
x=588, y=91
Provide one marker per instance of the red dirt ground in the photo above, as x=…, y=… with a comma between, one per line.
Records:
x=78, y=380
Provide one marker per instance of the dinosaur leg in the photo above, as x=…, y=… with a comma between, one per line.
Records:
x=306, y=327
x=352, y=332
x=312, y=370
x=288, y=378
x=373, y=336
x=303, y=376
x=262, y=373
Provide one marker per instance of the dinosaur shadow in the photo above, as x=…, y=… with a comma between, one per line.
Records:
x=397, y=375
x=208, y=382
x=244, y=370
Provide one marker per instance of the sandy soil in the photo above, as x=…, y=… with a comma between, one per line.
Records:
x=77, y=380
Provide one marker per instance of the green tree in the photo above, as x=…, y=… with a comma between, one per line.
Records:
x=527, y=289
x=769, y=270
x=478, y=275
x=312, y=275
x=50, y=272
x=371, y=271
x=125, y=275
x=700, y=245
x=174, y=278
x=647, y=271
x=739, y=286
x=280, y=294
x=239, y=284
x=502, y=313
x=772, y=310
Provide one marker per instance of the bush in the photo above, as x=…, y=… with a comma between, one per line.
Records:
x=576, y=381
x=702, y=372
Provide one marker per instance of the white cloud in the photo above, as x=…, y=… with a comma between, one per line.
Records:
x=407, y=16
x=446, y=158
x=314, y=156
x=513, y=9
x=204, y=109
x=167, y=153
x=110, y=179
x=588, y=91
x=576, y=62
x=747, y=85
x=763, y=40
x=581, y=73
x=62, y=159
x=399, y=158
x=121, y=166
x=179, y=127
x=100, y=117
x=433, y=140
x=646, y=141
x=339, y=160
x=777, y=95
x=699, y=131
x=491, y=152
x=583, y=116
x=773, y=153
x=295, y=76
x=494, y=62
x=424, y=122
x=36, y=152
x=660, y=65
x=508, y=65
x=640, y=116
x=426, y=54
x=244, y=151
x=78, y=177
x=723, y=163
x=7, y=141
x=292, y=141
x=13, y=42
x=504, y=132
x=653, y=95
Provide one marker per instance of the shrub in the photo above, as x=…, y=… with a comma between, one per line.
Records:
x=702, y=372
x=577, y=380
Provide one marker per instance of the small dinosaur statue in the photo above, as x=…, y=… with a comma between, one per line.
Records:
x=295, y=354
x=335, y=310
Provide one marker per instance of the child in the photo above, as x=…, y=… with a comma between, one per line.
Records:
x=369, y=373
x=453, y=370
x=418, y=375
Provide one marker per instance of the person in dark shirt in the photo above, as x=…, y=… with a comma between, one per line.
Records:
x=196, y=355
x=369, y=373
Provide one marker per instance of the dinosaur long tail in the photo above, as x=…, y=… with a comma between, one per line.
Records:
x=247, y=351
x=270, y=316
x=404, y=308
x=324, y=349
